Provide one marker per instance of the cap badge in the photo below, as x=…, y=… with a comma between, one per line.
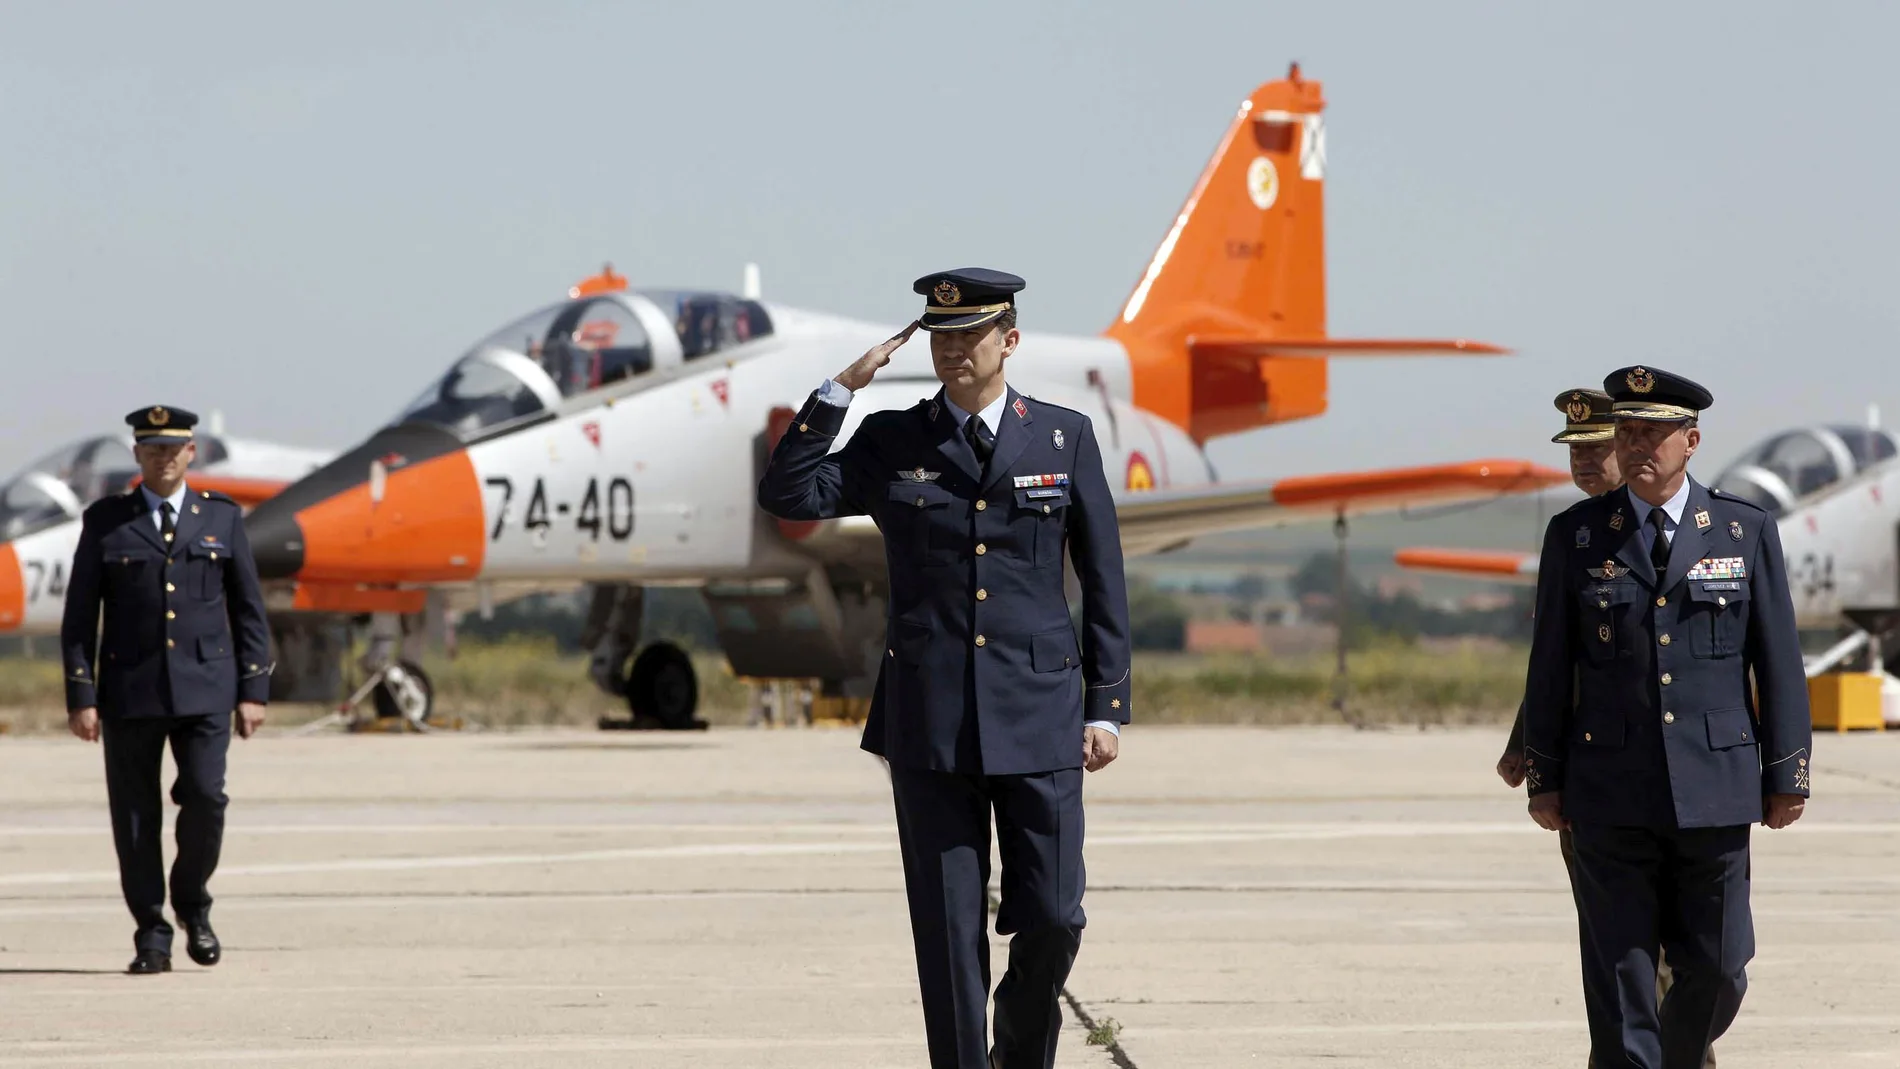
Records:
x=1641, y=380
x=158, y=417
x=1578, y=409
x=948, y=293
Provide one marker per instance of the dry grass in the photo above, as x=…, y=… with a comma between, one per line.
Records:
x=531, y=683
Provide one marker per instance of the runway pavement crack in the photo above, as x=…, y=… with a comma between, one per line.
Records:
x=1114, y=1045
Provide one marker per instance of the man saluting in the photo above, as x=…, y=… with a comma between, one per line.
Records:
x=185, y=643
x=988, y=700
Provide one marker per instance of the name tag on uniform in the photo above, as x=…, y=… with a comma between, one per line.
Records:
x=1049, y=492
x=1721, y=586
x=1023, y=482
x=1719, y=568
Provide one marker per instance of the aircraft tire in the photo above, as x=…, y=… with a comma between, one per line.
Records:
x=389, y=704
x=662, y=689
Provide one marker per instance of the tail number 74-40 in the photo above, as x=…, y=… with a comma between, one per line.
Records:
x=609, y=513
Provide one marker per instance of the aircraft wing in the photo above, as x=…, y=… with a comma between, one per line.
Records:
x=244, y=491
x=1499, y=565
x=1153, y=520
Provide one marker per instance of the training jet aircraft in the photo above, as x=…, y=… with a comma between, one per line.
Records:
x=616, y=438
x=40, y=508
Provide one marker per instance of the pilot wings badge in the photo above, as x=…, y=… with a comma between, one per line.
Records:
x=919, y=475
x=1610, y=570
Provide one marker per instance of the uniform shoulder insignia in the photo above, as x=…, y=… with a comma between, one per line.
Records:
x=1578, y=507
x=1730, y=499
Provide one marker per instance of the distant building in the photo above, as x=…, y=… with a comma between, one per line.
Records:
x=1223, y=636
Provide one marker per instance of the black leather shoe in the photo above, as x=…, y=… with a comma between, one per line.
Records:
x=149, y=962
x=202, y=943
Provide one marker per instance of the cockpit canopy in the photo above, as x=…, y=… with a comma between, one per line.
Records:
x=582, y=345
x=1795, y=464
x=59, y=486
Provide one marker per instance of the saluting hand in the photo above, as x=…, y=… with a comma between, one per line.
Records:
x=859, y=375
x=1783, y=810
x=84, y=723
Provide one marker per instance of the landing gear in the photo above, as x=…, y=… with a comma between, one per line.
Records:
x=660, y=687
x=662, y=692
x=404, y=691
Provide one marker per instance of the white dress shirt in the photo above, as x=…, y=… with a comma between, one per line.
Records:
x=834, y=392
x=152, y=501
x=1671, y=509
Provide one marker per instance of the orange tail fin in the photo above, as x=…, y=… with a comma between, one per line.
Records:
x=1242, y=274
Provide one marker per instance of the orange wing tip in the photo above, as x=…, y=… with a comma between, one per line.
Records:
x=1238, y=346
x=1417, y=484
x=1468, y=562
x=246, y=492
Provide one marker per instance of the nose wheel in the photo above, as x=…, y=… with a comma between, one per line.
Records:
x=405, y=692
x=662, y=692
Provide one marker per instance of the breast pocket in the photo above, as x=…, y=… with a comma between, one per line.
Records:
x=1717, y=618
x=913, y=511
x=204, y=570
x=126, y=571
x=1604, y=610
x=1044, y=511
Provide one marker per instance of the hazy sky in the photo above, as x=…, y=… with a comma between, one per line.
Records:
x=300, y=214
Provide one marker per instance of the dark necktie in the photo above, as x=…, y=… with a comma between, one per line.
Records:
x=165, y=525
x=980, y=440
x=1658, y=542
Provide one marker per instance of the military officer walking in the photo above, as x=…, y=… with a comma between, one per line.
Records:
x=185, y=643
x=1644, y=737
x=988, y=701
x=1588, y=431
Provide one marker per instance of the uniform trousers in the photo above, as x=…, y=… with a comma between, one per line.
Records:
x=1642, y=893
x=943, y=824
x=134, y=750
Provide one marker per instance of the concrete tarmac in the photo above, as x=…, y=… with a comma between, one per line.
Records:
x=1270, y=898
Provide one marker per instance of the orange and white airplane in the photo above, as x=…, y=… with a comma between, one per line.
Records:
x=40, y=507
x=616, y=438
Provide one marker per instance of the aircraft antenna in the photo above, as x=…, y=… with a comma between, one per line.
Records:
x=751, y=289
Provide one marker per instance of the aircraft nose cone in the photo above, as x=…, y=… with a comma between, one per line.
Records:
x=276, y=540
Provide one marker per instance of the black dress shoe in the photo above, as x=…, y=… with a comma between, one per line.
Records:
x=202, y=943
x=149, y=962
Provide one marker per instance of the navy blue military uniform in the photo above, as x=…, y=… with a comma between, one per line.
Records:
x=986, y=686
x=184, y=641
x=1664, y=704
